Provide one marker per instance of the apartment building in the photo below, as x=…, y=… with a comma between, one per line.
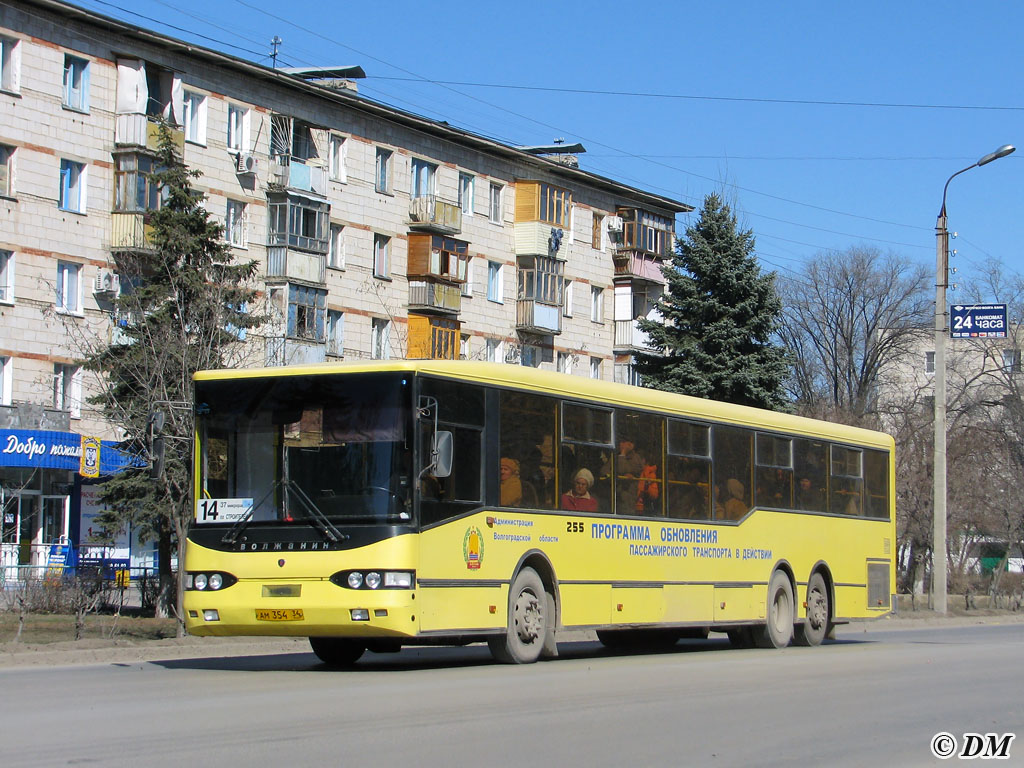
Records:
x=379, y=233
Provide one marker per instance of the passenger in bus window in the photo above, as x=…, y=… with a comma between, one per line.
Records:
x=511, y=485
x=578, y=498
x=628, y=467
x=808, y=497
x=736, y=505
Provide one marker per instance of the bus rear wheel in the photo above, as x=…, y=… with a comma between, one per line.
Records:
x=778, y=630
x=528, y=620
x=337, y=651
x=815, y=626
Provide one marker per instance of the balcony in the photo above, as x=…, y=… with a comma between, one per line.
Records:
x=628, y=336
x=295, y=265
x=435, y=297
x=534, y=317
x=130, y=232
x=638, y=265
x=289, y=173
x=137, y=130
x=535, y=238
x=428, y=212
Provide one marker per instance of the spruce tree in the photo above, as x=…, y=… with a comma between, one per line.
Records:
x=183, y=307
x=718, y=316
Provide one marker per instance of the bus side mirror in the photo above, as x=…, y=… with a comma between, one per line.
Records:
x=443, y=449
x=156, y=467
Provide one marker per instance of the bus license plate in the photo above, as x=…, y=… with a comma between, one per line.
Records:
x=279, y=614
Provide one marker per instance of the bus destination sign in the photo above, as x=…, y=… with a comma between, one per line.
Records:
x=979, y=321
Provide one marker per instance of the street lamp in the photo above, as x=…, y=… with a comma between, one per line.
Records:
x=939, y=489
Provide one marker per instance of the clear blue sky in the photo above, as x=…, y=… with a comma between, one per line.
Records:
x=701, y=97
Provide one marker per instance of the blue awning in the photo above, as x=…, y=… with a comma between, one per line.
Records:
x=58, y=450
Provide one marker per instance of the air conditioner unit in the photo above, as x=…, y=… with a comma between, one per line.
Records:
x=614, y=223
x=107, y=284
x=247, y=163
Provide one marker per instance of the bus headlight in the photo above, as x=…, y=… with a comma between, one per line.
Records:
x=209, y=581
x=374, y=579
x=199, y=581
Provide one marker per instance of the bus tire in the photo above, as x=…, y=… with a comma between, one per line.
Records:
x=814, y=628
x=778, y=630
x=337, y=651
x=528, y=621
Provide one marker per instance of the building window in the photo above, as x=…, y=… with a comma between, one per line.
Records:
x=72, y=186
x=9, y=50
x=540, y=279
x=238, y=128
x=134, y=187
x=235, y=224
x=335, y=332
x=466, y=193
x=381, y=255
x=464, y=353
x=67, y=389
x=383, y=171
x=298, y=222
x=306, y=308
x=595, y=367
x=6, y=171
x=495, y=289
x=336, y=247
x=68, y=286
x=337, y=151
x=494, y=206
x=567, y=299
x=423, y=178
x=76, y=83
x=530, y=355
x=596, y=304
x=626, y=374
x=929, y=362
x=647, y=231
x=467, y=286
x=5, y=380
x=381, y=338
x=195, y=117
x=597, y=232
x=7, y=276
x=494, y=351
x=1011, y=360
x=555, y=205
x=565, y=362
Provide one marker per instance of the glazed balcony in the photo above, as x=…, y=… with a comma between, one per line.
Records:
x=130, y=232
x=435, y=297
x=295, y=265
x=288, y=173
x=430, y=213
x=534, y=317
x=629, y=337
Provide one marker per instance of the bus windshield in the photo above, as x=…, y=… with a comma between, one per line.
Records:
x=320, y=450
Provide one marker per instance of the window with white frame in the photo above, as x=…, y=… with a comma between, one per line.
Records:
x=464, y=352
x=6, y=170
x=567, y=299
x=337, y=151
x=595, y=367
x=9, y=64
x=467, y=286
x=381, y=255
x=466, y=193
x=929, y=362
x=495, y=289
x=195, y=117
x=236, y=224
x=597, y=232
x=424, y=175
x=382, y=175
x=564, y=362
x=5, y=380
x=494, y=203
x=67, y=389
x=6, y=276
x=135, y=188
x=596, y=304
x=335, y=332
x=495, y=352
x=238, y=128
x=76, y=83
x=69, y=286
x=72, y=186
x=336, y=247
x=381, y=338
x=1011, y=360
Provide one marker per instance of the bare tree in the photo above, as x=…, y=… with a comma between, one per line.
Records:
x=848, y=317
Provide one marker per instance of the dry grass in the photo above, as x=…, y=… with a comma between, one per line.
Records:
x=43, y=629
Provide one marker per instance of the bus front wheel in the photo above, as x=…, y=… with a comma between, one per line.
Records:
x=778, y=630
x=337, y=651
x=528, y=620
x=815, y=626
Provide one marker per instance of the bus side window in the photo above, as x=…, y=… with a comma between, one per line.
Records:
x=876, y=484
x=528, y=426
x=847, y=481
x=733, y=462
x=810, y=462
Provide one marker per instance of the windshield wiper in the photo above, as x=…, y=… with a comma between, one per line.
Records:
x=233, y=532
x=315, y=515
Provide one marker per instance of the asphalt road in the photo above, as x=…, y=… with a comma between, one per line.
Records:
x=874, y=696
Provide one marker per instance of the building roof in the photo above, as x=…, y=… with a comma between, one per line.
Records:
x=359, y=103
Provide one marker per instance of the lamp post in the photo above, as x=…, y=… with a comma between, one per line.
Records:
x=939, y=485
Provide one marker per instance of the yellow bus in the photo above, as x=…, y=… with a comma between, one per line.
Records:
x=378, y=504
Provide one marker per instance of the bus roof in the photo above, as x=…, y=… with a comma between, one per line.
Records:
x=564, y=385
